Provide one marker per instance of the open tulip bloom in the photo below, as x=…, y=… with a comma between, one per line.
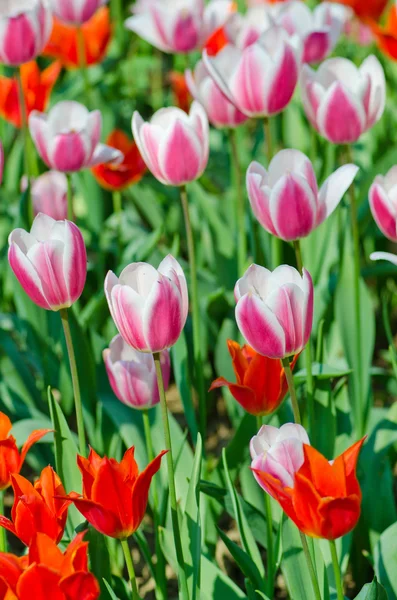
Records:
x=383, y=203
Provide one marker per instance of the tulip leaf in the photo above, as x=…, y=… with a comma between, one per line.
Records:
x=244, y=561
x=109, y=589
x=181, y=373
x=386, y=560
x=321, y=371
x=372, y=591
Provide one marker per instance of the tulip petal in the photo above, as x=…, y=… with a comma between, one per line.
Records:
x=260, y=326
x=384, y=256
x=383, y=211
x=34, y=437
x=339, y=516
x=259, y=196
x=104, y=521
x=140, y=490
x=80, y=585
x=105, y=154
x=27, y=276
x=39, y=582
x=180, y=155
x=340, y=117
x=38, y=128
x=293, y=207
x=376, y=101
x=333, y=190
x=316, y=46
x=162, y=315
x=283, y=83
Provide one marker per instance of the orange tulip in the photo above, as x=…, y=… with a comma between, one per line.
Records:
x=112, y=176
x=261, y=383
x=326, y=497
x=386, y=36
x=365, y=9
x=180, y=90
x=115, y=494
x=11, y=460
x=48, y=573
x=40, y=508
x=96, y=33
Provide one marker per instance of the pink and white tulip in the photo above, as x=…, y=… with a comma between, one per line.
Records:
x=220, y=111
x=259, y=80
x=50, y=195
x=76, y=12
x=242, y=30
x=278, y=452
x=174, y=145
x=392, y=258
x=149, y=306
x=132, y=374
x=25, y=27
x=274, y=310
x=383, y=203
x=178, y=25
x=50, y=262
x=67, y=139
x=342, y=101
x=286, y=199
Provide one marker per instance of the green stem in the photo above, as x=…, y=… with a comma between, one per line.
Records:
x=198, y=361
x=117, y=13
x=82, y=60
x=130, y=569
x=171, y=481
x=75, y=381
x=117, y=203
x=337, y=573
x=291, y=386
x=156, y=81
x=70, y=196
x=268, y=139
x=3, y=533
x=277, y=244
x=269, y=531
x=26, y=141
x=240, y=204
x=312, y=572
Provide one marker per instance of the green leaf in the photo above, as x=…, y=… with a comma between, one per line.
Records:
x=321, y=371
x=372, y=591
x=386, y=561
x=181, y=373
x=243, y=560
x=109, y=589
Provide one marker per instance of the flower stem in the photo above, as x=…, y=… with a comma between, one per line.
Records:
x=117, y=204
x=337, y=573
x=198, y=361
x=26, y=141
x=75, y=381
x=269, y=531
x=117, y=14
x=277, y=248
x=130, y=569
x=268, y=139
x=312, y=572
x=291, y=386
x=70, y=196
x=171, y=481
x=82, y=60
x=240, y=204
x=3, y=533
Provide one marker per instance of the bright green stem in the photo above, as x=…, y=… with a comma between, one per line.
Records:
x=337, y=573
x=70, y=196
x=75, y=381
x=198, y=361
x=117, y=13
x=130, y=569
x=3, y=533
x=268, y=139
x=292, y=391
x=269, y=531
x=26, y=141
x=240, y=204
x=82, y=59
x=312, y=572
x=171, y=481
x=117, y=203
x=277, y=244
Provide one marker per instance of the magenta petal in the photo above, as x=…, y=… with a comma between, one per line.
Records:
x=316, y=46
x=287, y=304
x=19, y=43
x=293, y=207
x=38, y=128
x=47, y=259
x=259, y=197
x=247, y=82
x=260, y=327
x=383, y=211
x=27, y=276
x=185, y=36
x=163, y=315
x=284, y=82
x=68, y=153
x=180, y=155
x=74, y=260
x=127, y=309
x=340, y=117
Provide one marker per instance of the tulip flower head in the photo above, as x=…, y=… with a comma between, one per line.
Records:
x=76, y=12
x=38, y=508
x=221, y=112
x=342, y=101
x=383, y=203
x=324, y=498
x=286, y=200
x=50, y=262
x=67, y=139
x=274, y=309
x=259, y=80
x=149, y=306
x=174, y=145
x=115, y=494
x=49, y=195
x=11, y=459
x=132, y=374
x=261, y=383
x=25, y=27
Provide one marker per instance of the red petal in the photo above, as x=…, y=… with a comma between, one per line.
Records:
x=34, y=437
x=80, y=585
x=140, y=491
x=101, y=519
x=40, y=583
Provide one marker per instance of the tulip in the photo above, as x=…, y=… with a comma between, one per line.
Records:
x=76, y=12
x=322, y=498
x=49, y=195
x=132, y=374
x=115, y=494
x=392, y=258
x=48, y=573
x=50, y=262
x=221, y=112
x=25, y=28
x=174, y=145
x=286, y=200
x=36, y=509
x=342, y=101
x=96, y=34
x=383, y=203
x=259, y=80
x=67, y=139
x=261, y=382
x=274, y=310
x=11, y=459
x=278, y=452
x=386, y=36
x=118, y=176
x=365, y=10
x=149, y=306
x=37, y=87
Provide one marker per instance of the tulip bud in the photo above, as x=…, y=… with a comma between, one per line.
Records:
x=50, y=262
x=383, y=203
x=50, y=195
x=76, y=12
x=274, y=310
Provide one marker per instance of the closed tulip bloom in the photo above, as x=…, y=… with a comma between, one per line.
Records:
x=11, y=459
x=174, y=145
x=50, y=195
x=278, y=452
x=324, y=498
x=259, y=80
x=76, y=12
x=67, y=139
x=342, y=101
x=149, y=306
x=221, y=112
x=50, y=262
x=37, y=508
x=261, y=383
x=115, y=494
x=132, y=374
x=286, y=200
x=274, y=310
x=25, y=27
x=383, y=203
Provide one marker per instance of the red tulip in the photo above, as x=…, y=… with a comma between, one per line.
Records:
x=386, y=36
x=180, y=90
x=365, y=9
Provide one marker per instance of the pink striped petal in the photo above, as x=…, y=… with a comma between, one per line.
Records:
x=340, y=118
x=260, y=326
x=286, y=303
x=148, y=138
x=292, y=161
x=185, y=36
x=162, y=317
x=19, y=42
x=376, y=99
x=170, y=267
x=383, y=211
x=68, y=152
x=74, y=263
x=259, y=196
x=180, y=157
x=283, y=83
x=384, y=256
x=316, y=46
x=47, y=259
x=293, y=207
x=27, y=276
x=333, y=190
x=127, y=309
x=247, y=83
x=39, y=131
